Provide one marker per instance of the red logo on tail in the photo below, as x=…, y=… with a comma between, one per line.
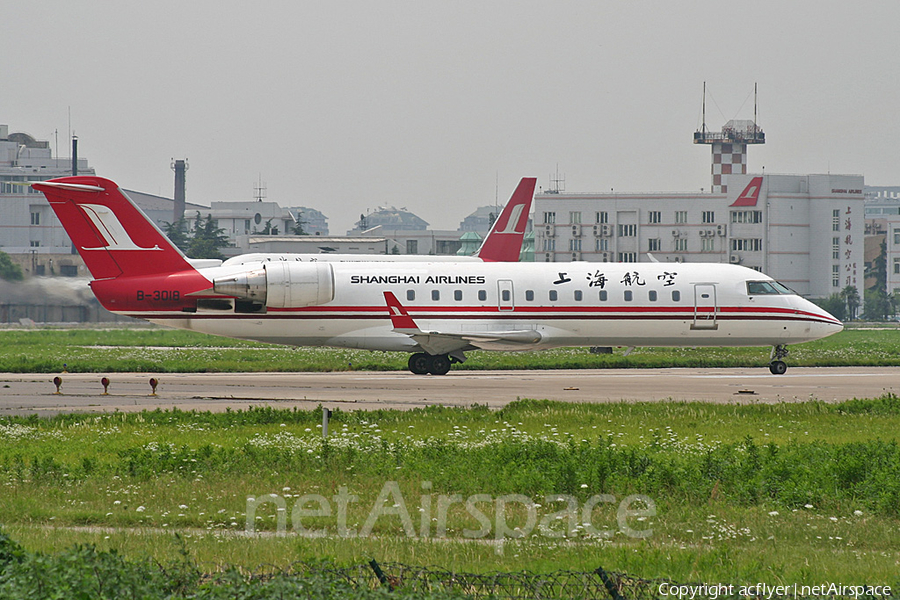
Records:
x=750, y=195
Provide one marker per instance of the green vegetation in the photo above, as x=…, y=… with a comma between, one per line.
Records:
x=166, y=350
x=204, y=240
x=9, y=270
x=786, y=492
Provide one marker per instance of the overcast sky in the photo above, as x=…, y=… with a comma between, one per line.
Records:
x=345, y=106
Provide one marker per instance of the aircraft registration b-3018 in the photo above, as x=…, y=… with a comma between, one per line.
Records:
x=436, y=311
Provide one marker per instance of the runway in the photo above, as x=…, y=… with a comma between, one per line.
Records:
x=35, y=393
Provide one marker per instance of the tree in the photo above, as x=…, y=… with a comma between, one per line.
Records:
x=9, y=270
x=206, y=239
x=850, y=296
x=177, y=233
x=878, y=304
x=834, y=304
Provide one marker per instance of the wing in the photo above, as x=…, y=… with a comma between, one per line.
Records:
x=437, y=342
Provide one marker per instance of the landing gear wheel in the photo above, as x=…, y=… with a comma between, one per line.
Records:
x=777, y=367
x=418, y=363
x=439, y=364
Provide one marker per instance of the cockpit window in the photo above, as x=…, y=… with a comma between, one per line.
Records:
x=759, y=288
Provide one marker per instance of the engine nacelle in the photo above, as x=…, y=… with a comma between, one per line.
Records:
x=281, y=284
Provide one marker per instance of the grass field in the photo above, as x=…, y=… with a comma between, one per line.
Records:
x=776, y=493
x=787, y=493
x=165, y=350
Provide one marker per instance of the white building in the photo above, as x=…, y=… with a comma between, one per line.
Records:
x=804, y=230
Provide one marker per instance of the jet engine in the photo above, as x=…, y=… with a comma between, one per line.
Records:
x=281, y=284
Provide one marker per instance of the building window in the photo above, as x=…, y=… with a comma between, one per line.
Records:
x=654, y=217
x=653, y=245
x=836, y=275
x=602, y=245
x=549, y=218
x=681, y=245
x=897, y=266
x=836, y=248
x=35, y=244
x=627, y=257
x=746, y=216
x=35, y=218
x=709, y=216
x=836, y=220
x=575, y=245
x=681, y=216
x=708, y=244
x=627, y=230
x=412, y=246
x=575, y=218
x=602, y=217
x=897, y=237
x=549, y=244
x=746, y=245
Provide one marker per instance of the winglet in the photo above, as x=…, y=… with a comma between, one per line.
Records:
x=504, y=241
x=400, y=319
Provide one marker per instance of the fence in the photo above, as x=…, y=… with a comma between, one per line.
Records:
x=522, y=585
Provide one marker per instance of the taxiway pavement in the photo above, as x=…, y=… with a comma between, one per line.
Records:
x=35, y=393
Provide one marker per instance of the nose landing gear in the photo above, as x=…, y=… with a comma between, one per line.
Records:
x=776, y=365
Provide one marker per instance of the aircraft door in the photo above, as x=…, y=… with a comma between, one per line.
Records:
x=505, y=294
x=705, y=306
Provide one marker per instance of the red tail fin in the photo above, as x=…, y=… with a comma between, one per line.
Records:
x=113, y=236
x=504, y=241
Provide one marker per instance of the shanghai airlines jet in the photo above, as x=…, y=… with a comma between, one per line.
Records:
x=436, y=311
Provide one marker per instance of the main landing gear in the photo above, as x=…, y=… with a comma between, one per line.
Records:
x=776, y=365
x=436, y=364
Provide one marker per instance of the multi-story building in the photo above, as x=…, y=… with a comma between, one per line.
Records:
x=804, y=230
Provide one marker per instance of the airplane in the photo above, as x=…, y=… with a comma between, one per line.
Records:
x=503, y=243
x=435, y=311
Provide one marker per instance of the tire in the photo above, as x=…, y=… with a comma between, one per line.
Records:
x=439, y=364
x=418, y=363
x=777, y=367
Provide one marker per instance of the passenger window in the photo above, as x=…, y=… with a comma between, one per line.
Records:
x=553, y=295
x=652, y=295
x=410, y=295
x=482, y=295
x=603, y=295
x=505, y=295
x=435, y=295
x=578, y=295
x=629, y=295
x=529, y=295
x=676, y=296
x=457, y=295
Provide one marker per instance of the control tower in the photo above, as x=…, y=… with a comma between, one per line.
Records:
x=729, y=146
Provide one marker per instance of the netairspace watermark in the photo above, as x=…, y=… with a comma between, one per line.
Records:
x=433, y=509
x=766, y=591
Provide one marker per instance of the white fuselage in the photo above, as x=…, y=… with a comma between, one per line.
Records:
x=567, y=304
